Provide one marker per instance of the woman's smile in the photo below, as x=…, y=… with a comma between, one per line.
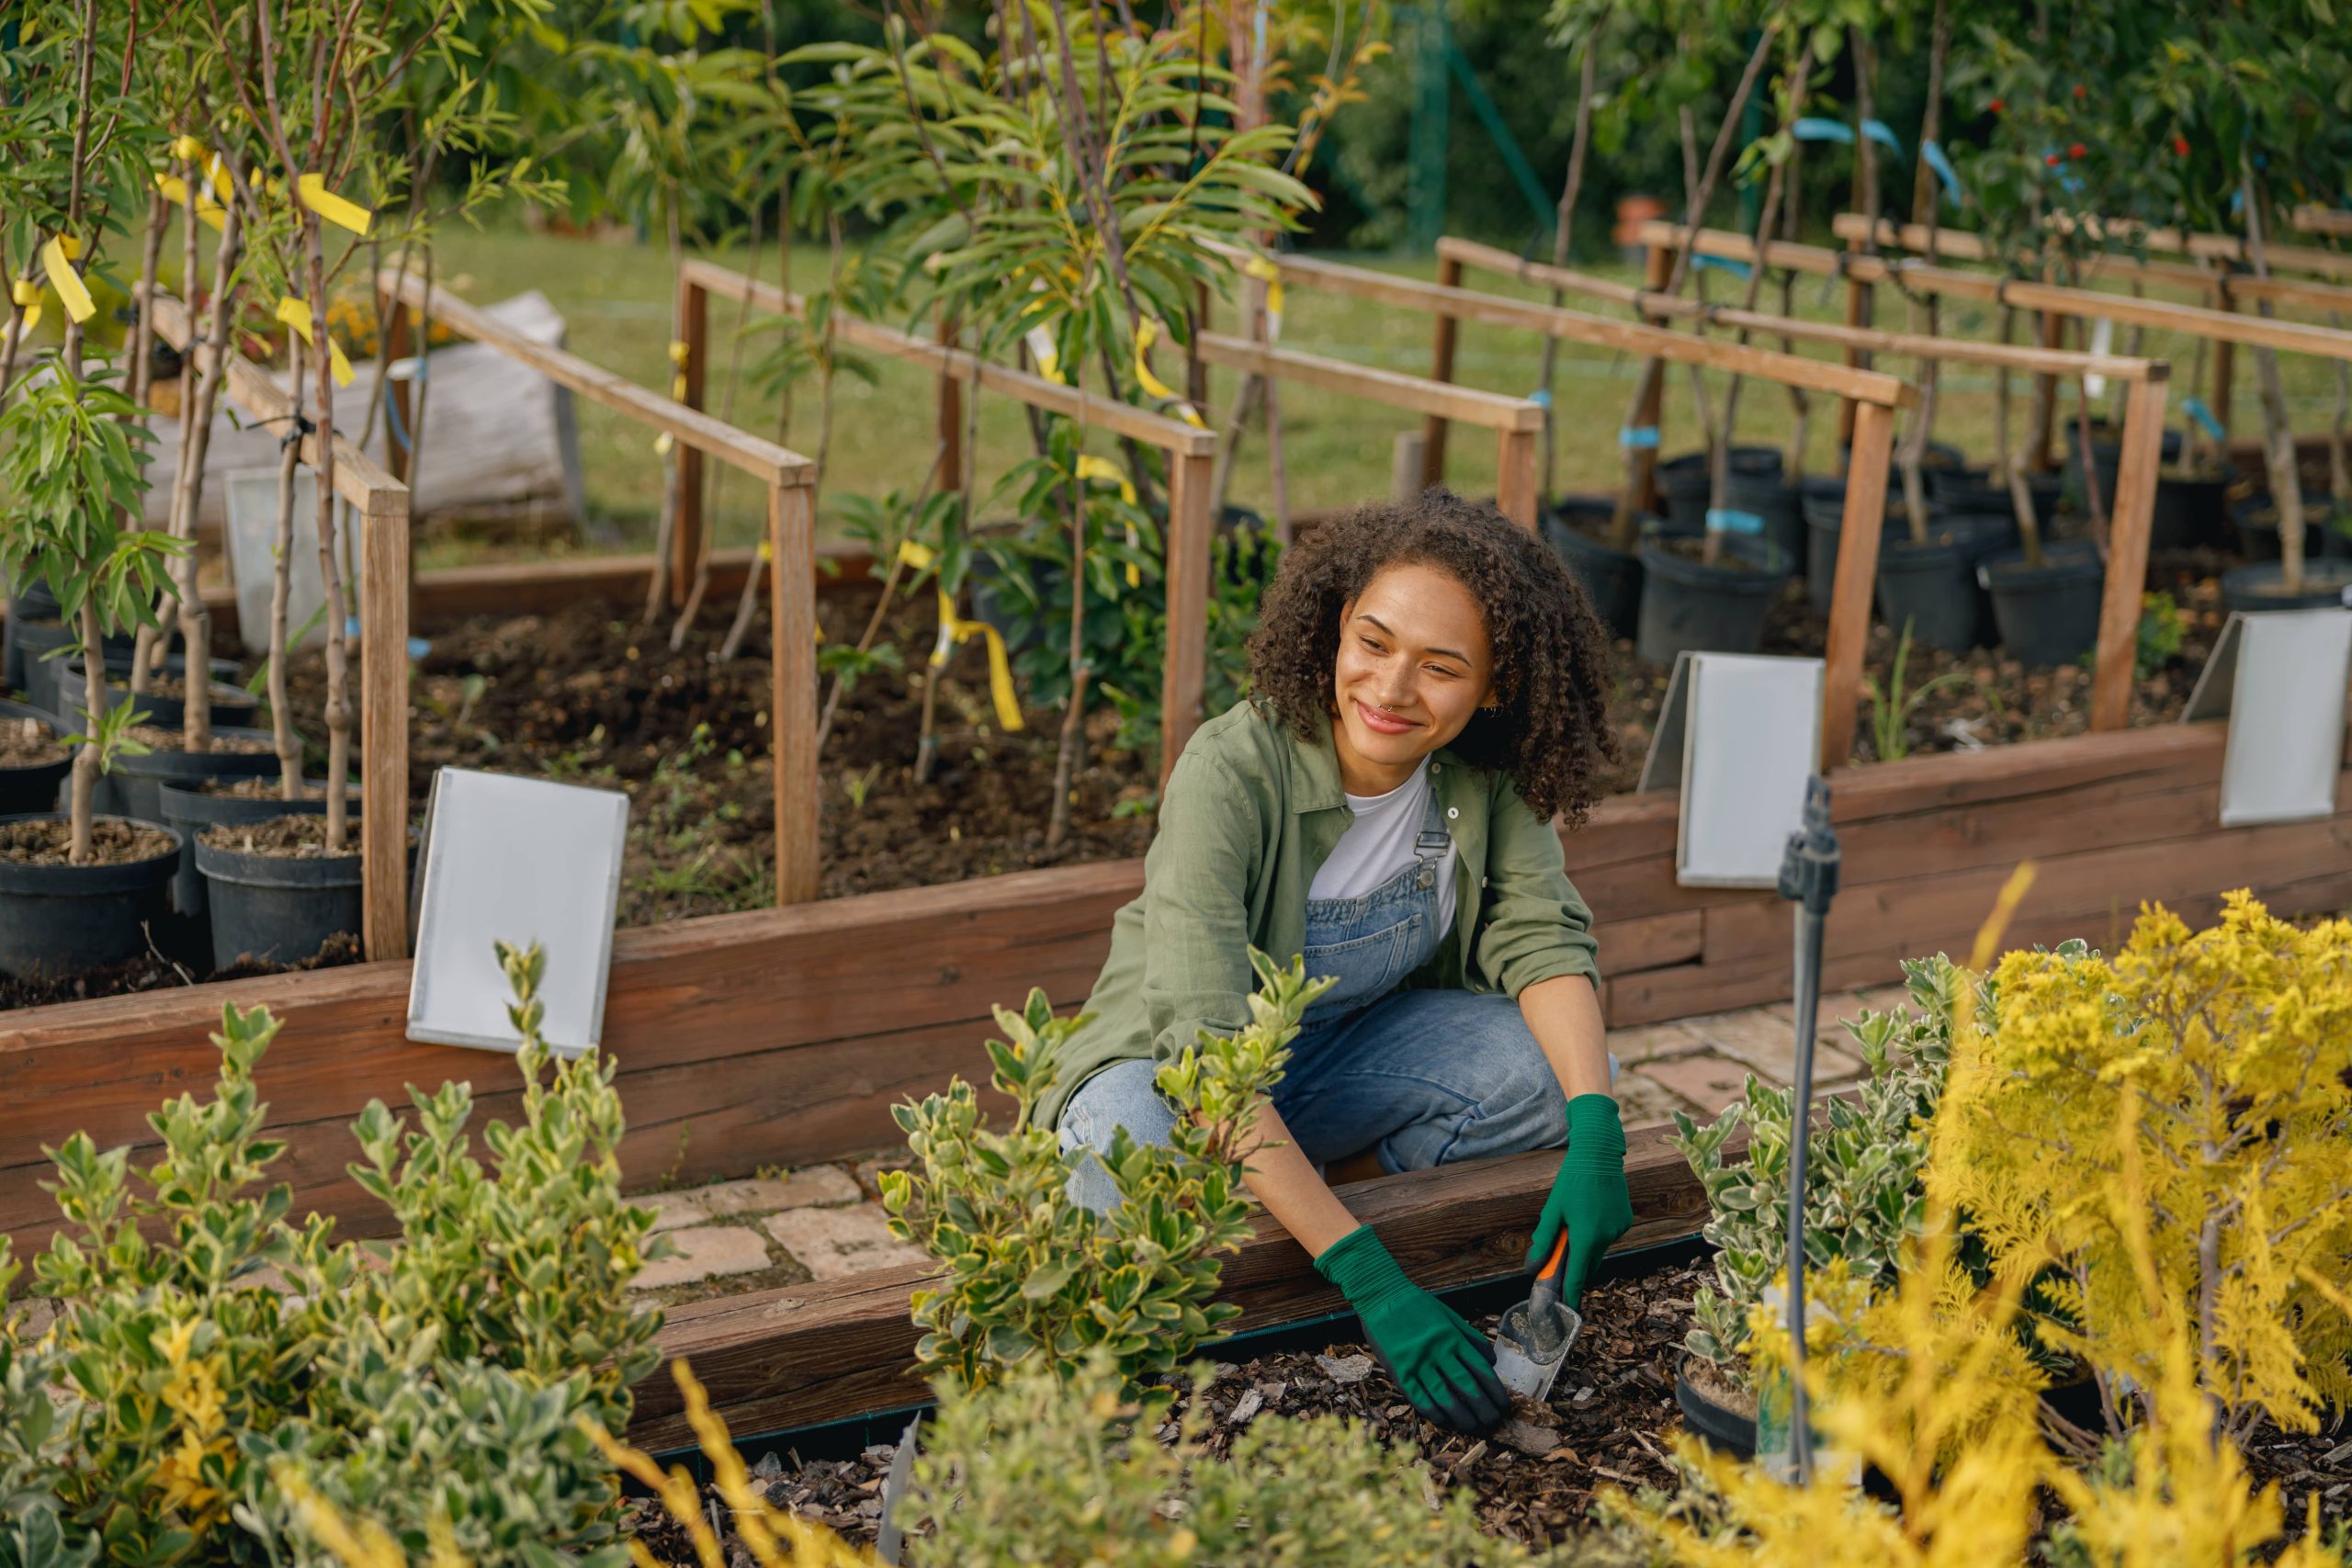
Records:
x=1380, y=721
x=1413, y=664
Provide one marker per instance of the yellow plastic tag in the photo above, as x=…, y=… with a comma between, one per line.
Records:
x=222, y=186
x=915, y=556
x=679, y=350
x=25, y=292
x=176, y=191
x=188, y=148
x=297, y=315
x=338, y=211
x=1145, y=335
x=1042, y=353
x=1109, y=472
x=1270, y=275
x=61, y=278
x=1001, y=692
x=71, y=246
x=662, y=442
x=766, y=553
x=32, y=319
x=338, y=364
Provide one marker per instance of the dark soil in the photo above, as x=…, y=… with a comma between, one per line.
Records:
x=1606, y=1424
x=114, y=840
x=299, y=837
x=1694, y=549
x=155, y=973
x=257, y=786
x=156, y=739
x=28, y=742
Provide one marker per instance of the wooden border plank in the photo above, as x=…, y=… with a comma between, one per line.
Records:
x=383, y=724
x=761, y=458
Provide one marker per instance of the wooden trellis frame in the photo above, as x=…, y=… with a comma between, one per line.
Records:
x=1875, y=395
x=790, y=480
x=2134, y=500
x=382, y=503
x=1192, y=458
x=2317, y=220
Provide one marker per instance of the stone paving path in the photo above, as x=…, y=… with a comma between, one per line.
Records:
x=826, y=1222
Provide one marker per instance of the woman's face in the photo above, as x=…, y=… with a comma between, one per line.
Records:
x=1413, y=666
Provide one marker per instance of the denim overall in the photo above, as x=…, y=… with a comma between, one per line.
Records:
x=1370, y=943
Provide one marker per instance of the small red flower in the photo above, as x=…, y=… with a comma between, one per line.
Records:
x=2080, y=90
x=2054, y=160
x=2076, y=150
x=2181, y=146
x=1996, y=105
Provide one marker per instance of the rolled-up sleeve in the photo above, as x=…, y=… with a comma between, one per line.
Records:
x=1534, y=925
x=1196, y=914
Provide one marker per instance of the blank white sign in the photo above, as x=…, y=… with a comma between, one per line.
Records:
x=1753, y=740
x=252, y=557
x=2286, y=741
x=519, y=861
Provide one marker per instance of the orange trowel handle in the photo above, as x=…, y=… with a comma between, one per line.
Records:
x=1547, y=1279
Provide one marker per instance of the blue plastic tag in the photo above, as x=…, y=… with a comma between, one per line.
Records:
x=2194, y=407
x=1812, y=129
x=1540, y=398
x=1723, y=520
x=1934, y=156
x=1739, y=269
x=1644, y=437
x=1876, y=129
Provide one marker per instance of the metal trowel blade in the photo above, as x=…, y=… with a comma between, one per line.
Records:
x=1531, y=1349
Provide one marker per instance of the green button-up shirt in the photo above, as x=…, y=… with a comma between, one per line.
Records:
x=1249, y=815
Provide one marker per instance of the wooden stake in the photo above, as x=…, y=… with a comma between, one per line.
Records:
x=1849, y=605
x=1517, y=465
x=685, y=472
x=1857, y=315
x=792, y=700
x=1191, y=531
x=383, y=724
x=400, y=433
x=1642, y=475
x=1449, y=275
x=2127, y=553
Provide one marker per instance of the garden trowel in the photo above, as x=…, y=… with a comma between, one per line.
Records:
x=1535, y=1334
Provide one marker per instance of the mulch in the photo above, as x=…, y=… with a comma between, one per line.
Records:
x=1606, y=1425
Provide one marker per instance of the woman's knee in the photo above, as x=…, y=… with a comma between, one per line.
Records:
x=1120, y=1095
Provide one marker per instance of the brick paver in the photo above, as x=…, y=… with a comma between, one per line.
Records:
x=705, y=1252
x=816, y=1184
x=833, y=1244
x=1769, y=1044
x=1706, y=1083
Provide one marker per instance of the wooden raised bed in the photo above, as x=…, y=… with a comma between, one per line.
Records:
x=782, y=1036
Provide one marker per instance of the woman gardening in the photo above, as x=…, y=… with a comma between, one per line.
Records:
x=1428, y=693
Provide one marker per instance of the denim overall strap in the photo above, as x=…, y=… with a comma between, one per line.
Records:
x=1371, y=942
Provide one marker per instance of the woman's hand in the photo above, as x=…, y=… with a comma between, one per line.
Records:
x=1589, y=1195
x=1442, y=1364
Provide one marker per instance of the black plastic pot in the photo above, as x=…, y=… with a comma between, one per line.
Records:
x=1778, y=502
x=2254, y=518
x=2107, y=457
x=1725, y=1430
x=232, y=706
x=33, y=601
x=188, y=811
x=1685, y=483
x=32, y=642
x=1824, y=524
x=1688, y=604
x=1975, y=491
x=30, y=790
x=139, y=781
x=1930, y=587
x=1940, y=455
x=2327, y=584
x=276, y=909
x=2047, y=614
x=2190, y=511
x=1574, y=526
x=62, y=920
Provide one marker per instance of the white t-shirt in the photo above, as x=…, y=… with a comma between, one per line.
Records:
x=1380, y=842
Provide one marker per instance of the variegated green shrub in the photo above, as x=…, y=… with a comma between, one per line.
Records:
x=207, y=1347
x=1029, y=1272
x=1863, y=1168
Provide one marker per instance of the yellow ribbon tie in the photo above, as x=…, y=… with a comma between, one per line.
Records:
x=222, y=186
x=679, y=352
x=25, y=292
x=914, y=556
x=662, y=442
x=188, y=148
x=950, y=630
x=1270, y=275
x=1092, y=467
x=338, y=211
x=297, y=316
x=1041, y=350
x=176, y=191
x=61, y=278
x=1145, y=335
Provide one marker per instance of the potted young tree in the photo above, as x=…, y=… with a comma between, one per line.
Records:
x=79, y=889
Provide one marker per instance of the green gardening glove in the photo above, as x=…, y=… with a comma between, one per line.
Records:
x=1589, y=1194
x=1444, y=1366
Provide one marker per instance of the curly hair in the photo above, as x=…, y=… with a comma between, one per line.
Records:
x=1553, y=669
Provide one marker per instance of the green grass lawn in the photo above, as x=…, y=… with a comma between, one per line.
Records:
x=616, y=297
